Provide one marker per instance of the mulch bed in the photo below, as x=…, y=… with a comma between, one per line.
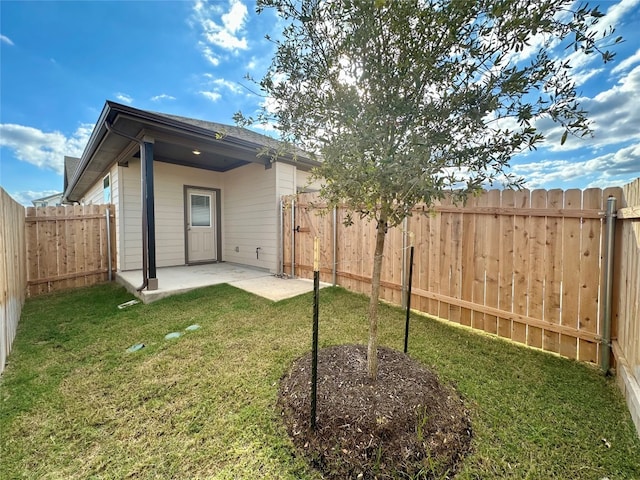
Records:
x=405, y=425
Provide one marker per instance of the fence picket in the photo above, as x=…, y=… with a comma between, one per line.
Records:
x=492, y=260
x=66, y=247
x=520, y=266
x=523, y=265
x=505, y=280
x=590, y=275
x=552, y=272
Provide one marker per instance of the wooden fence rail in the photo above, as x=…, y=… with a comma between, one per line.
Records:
x=525, y=265
x=13, y=271
x=67, y=247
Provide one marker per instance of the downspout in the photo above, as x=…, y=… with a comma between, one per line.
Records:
x=145, y=240
x=108, y=215
x=610, y=233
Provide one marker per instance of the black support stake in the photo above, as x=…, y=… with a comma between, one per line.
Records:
x=314, y=349
x=406, y=326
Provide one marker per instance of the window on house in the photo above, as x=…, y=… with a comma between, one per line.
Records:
x=200, y=210
x=106, y=188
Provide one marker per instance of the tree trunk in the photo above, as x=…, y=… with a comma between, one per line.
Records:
x=372, y=350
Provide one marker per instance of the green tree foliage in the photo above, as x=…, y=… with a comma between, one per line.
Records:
x=407, y=100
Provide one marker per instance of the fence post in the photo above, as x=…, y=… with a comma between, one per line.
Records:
x=281, y=249
x=335, y=246
x=608, y=283
x=293, y=237
x=403, y=271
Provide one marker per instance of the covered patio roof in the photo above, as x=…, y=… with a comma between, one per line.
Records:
x=221, y=147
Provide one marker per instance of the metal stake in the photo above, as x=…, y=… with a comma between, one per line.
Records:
x=406, y=326
x=314, y=350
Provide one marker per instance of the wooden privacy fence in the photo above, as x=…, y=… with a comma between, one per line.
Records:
x=525, y=265
x=68, y=247
x=626, y=294
x=13, y=271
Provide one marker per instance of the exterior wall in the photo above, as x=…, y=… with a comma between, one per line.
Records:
x=130, y=244
x=169, y=182
x=250, y=206
x=249, y=203
x=304, y=184
x=95, y=196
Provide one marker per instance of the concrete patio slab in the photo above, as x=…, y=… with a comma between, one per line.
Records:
x=174, y=280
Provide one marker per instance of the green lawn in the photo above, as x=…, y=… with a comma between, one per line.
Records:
x=75, y=404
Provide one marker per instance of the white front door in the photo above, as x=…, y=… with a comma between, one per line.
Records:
x=201, y=225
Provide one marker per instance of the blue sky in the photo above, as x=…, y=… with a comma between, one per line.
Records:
x=60, y=61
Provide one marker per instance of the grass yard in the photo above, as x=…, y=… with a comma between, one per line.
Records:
x=75, y=404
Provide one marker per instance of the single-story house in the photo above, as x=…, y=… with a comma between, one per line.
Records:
x=48, y=201
x=186, y=191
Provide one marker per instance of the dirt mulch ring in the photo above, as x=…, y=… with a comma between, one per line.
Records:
x=405, y=425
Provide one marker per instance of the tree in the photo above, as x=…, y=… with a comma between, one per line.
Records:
x=407, y=100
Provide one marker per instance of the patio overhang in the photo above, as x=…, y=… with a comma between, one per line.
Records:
x=221, y=147
x=123, y=133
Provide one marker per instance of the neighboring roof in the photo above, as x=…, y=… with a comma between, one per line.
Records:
x=70, y=166
x=47, y=198
x=222, y=147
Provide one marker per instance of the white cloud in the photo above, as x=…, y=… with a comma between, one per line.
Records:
x=26, y=196
x=615, y=113
x=614, y=16
x=5, y=39
x=44, y=149
x=266, y=127
x=222, y=83
x=226, y=40
x=213, y=96
x=627, y=63
x=214, y=87
x=124, y=98
x=208, y=54
x=581, y=76
x=220, y=28
x=162, y=96
x=610, y=169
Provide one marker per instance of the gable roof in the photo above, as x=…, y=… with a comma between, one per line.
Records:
x=47, y=198
x=120, y=128
x=70, y=166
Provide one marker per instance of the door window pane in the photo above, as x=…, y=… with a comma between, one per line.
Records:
x=200, y=210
